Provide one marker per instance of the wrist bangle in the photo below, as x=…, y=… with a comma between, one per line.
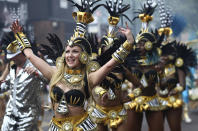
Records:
x=127, y=46
x=22, y=41
x=122, y=52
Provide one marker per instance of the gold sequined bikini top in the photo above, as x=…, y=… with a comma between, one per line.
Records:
x=73, y=97
x=77, y=81
x=145, y=77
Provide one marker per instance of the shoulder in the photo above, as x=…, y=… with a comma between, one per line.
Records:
x=92, y=66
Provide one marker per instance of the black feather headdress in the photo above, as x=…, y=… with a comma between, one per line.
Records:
x=116, y=8
x=86, y=5
x=145, y=14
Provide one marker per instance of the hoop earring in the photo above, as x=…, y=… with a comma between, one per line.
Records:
x=148, y=45
x=84, y=57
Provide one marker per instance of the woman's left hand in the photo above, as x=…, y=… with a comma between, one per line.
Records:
x=127, y=32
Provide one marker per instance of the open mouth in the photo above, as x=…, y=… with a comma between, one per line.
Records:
x=70, y=61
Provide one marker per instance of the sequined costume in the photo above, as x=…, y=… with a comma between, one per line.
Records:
x=144, y=102
x=77, y=81
x=169, y=78
x=114, y=113
x=144, y=72
x=75, y=74
x=24, y=105
x=179, y=57
x=73, y=79
x=111, y=112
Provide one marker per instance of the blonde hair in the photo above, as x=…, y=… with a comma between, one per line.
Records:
x=61, y=67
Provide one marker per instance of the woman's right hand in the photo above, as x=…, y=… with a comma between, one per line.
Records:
x=16, y=27
x=127, y=32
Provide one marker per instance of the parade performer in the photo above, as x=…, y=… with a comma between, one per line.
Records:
x=172, y=81
x=74, y=75
x=178, y=58
x=108, y=109
x=144, y=73
x=23, y=81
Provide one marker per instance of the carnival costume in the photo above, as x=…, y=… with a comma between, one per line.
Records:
x=142, y=67
x=110, y=115
x=75, y=81
x=24, y=105
x=180, y=57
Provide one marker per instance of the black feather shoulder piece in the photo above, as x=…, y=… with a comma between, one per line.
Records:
x=168, y=49
x=185, y=56
x=54, y=49
x=93, y=40
x=7, y=39
x=131, y=60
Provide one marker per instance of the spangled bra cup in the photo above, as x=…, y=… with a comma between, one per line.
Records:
x=169, y=83
x=150, y=75
x=73, y=97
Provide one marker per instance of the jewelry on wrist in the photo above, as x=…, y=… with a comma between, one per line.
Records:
x=122, y=52
x=127, y=46
x=22, y=41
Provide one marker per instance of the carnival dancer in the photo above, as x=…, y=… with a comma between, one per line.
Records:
x=178, y=58
x=108, y=109
x=74, y=75
x=23, y=81
x=172, y=81
x=145, y=77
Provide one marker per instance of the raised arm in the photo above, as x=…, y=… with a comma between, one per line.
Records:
x=25, y=46
x=118, y=57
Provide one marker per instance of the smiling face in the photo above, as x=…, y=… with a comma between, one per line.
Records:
x=72, y=56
